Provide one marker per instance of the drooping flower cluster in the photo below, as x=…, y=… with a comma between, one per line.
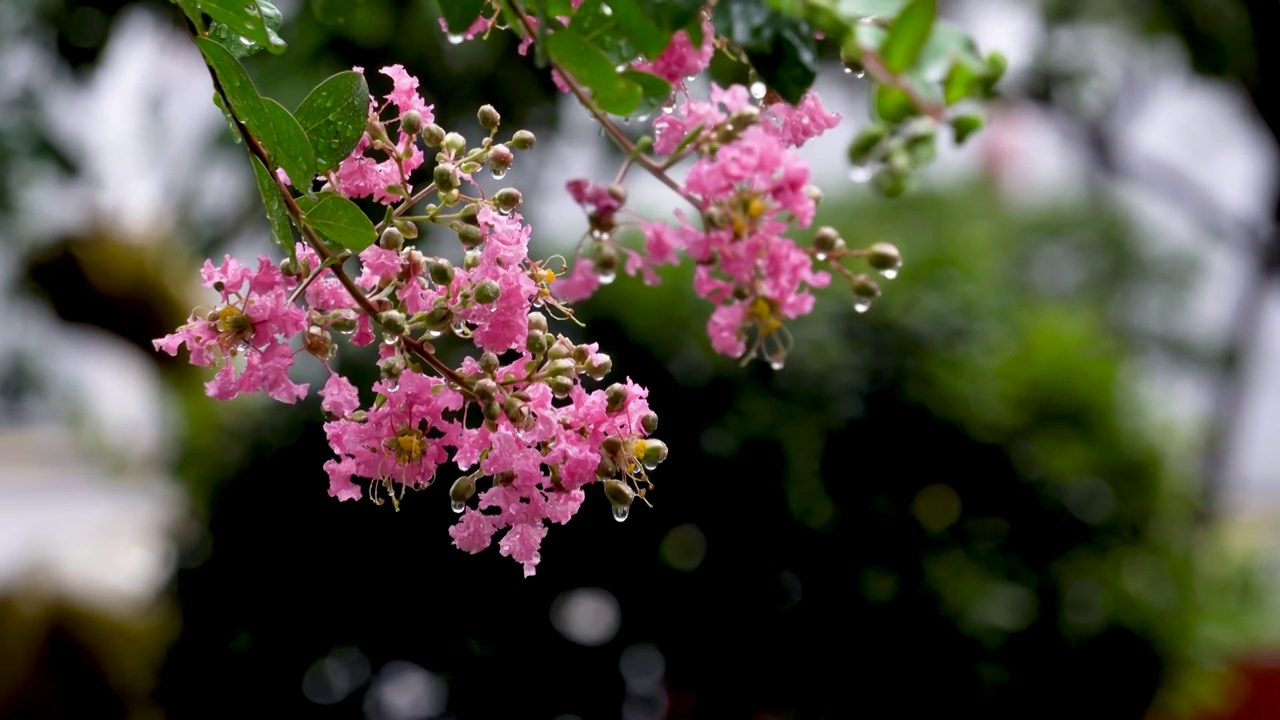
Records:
x=516, y=415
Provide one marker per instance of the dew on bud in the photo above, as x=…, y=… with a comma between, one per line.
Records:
x=498, y=173
x=457, y=506
x=862, y=305
x=820, y=256
x=620, y=513
x=758, y=90
x=607, y=276
x=889, y=273
x=455, y=39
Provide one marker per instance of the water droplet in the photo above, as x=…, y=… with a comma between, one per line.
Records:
x=889, y=273
x=669, y=106
x=621, y=513
x=862, y=305
x=860, y=173
x=433, y=334
x=457, y=506
x=644, y=117
x=777, y=362
x=607, y=277
x=455, y=39
x=459, y=329
x=246, y=42
x=393, y=386
x=856, y=73
x=650, y=464
x=690, y=78
x=251, y=8
x=621, y=68
x=820, y=256
x=605, y=9
x=758, y=90
x=498, y=174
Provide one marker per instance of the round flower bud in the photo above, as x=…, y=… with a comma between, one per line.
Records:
x=615, y=397
x=611, y=445
x=445, y=176
x=866, y=288
x=392, y=367
x=469, y=235
x=826, y=239
x=581, y=353
x=489, y=362
x=814, y=193
x=655, y=451
x=290, y=268
x=485, y=389
x=606, y=259
x=438, y=319
x=455, y=143
x=564, y=367
x=392, y=322
x=488, y=117
x=884, y=256
x=535, y=343
x=433, y=135
x=619, y=193
x=561, y=386
x=649, y=421
x=492, y=411
x=343, y=324
x=488, y=292
x=470, y=213
x=471, y=260
x=411, y=122
x=516, y=411
x=560, y=349
x=522, y=140
x=606, y=468
x=507, y=199
x=392, y=239
x=619, y=493
x=599, y=365
x=865, y=142
x=318, y=342
x=441, y=271
x=538, y=322
x=744, y=116
x=462, y=490
x=500, y=160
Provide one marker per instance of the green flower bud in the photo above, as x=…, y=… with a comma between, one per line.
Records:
x=615, y=397
x=455, y=143
x=408, y=228
x=560, y=349
x=866, y=288
x=343, y=324
x=581, y=353
x=606, y=468
x=446, y=176
x=438, y=319
x=411, y=123
x=507, y=199
x=471, y=260
x=485, y=389
x=884, y=257
x=611, y=445
x=489, y=362
x=564, y=367
x=536, y=343
x=392, y=322
x=866, y=141
x=500, y=160
x=965, y=125
x=392, y=239
x=319, y=342
x=441, y=271
x=488, y=292
x=492, y=411
x=619, y=493
x=290, y=268
x=655, y=451
x=598, y=366
x=537, y=322
x=433, y=135
x=619, y=193
x=392, y=367
x=826, y=239
x=523, y=140
x=488, y=117
x=649, y=421
x=561, y=386
x=469, y=236
x=462, y=490
x=470, y=213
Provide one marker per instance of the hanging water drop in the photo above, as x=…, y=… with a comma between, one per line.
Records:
x=889, y=273
x=620, y=513
x=650, y=464
x=498, y=174
x=433, y=334
x=607, y=276
x=457, y=506
x=820, y=256
x=391, y=339
x=862, y=305
x=777, y=362
x=246, y=41
x=455, y=39
x=605, y=10
x=758, y=90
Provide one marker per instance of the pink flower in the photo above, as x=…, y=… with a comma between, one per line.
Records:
x=521, y=543
x=681, y=59
x=340, y=397
x=797, y=125
x=405, y=93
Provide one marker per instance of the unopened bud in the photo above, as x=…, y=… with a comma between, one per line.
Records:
x=744, y=116
x=866, y=288
x=826, y=239
x=392, y=367
x=392, y=239
x=488, y=117
x=507, y=199
x=500, y=159
x=290, y=268
x=470, y=213
x=884, y=256
x=523, y=140
x=462, y=490
x=343, y=324
x=564, y=367
x=392, y=322
x=561, y=386
x=562, y=348
x=615, y=397
x=599, y=365
x=866, y=141
x=619, y=493
x=619, y=193
x=438, y=318
x=611, y=445
x=581, y=352
x=318, y=342
x=469, y=235
x=487, y=292
x=538, y=322
x=606, y=259
x=655, y=451
x=485, y=389
x=432, y=135
x=441, y=271
x=535, y=343
x=965, y=125
x=489, y=362
x=814, y=193
x=445, y=176
x=454, y=143
x=411, y=123
x=606, y=468
x=649, y=421
x=471, y=260
x=715, y=218
x=492, y=411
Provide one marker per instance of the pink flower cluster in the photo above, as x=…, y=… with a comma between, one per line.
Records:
x=376, y=164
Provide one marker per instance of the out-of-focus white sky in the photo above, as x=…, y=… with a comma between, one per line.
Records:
x=150, y=96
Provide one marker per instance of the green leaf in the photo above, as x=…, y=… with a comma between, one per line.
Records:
x=635, y=22
x=947, y=46
x=961, y=83
x=290, y=148
x=247, y=19
x=334, y=116
x=655, y=91
x=460, y=14
x=239, y=89
x=277, y=215
x=339, y=221
x=191, y=8
x=591, y=67
x=859, y=9
x=908, y=35
x=892, y=104
x=780, y=48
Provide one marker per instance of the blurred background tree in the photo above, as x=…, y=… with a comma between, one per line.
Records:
x=976, y=497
